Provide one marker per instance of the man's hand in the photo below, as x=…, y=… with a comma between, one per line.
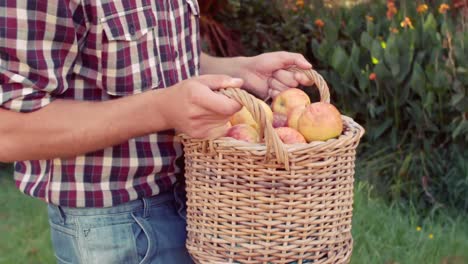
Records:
x=265, y=75
x=197, y=110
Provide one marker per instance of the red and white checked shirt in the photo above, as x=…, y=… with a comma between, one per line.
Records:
x=97, y=50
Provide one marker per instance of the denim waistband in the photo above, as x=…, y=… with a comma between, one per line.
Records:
x=132, y=206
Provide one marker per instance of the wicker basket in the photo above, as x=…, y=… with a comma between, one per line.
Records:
x=270, y=202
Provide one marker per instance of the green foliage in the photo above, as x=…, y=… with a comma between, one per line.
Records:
x=414, y=111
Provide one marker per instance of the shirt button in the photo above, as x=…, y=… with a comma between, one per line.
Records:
x=176, y=54
x=131, y=29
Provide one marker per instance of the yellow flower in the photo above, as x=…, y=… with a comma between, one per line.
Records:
x=370, y=18
x=300, y=3
x=418, y=228
x=406, y=23
x=431, y=236
x=383, y=44
x=422, y=8
x=443, y=8
x=319, y=23
x=375, y=60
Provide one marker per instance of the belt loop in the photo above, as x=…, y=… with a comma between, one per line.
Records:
x=146, y=207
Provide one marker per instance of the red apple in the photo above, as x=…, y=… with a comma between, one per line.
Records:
x=289, y=135
x=320, y=121
x=279, y=120
x=244, y=132
x=288, y=99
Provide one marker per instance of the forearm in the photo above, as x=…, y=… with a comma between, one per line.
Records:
x=218, y=65
x=70, y=128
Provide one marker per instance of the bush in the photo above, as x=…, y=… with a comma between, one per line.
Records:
x=400, y=69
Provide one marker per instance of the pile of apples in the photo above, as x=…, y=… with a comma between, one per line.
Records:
x=294, y=117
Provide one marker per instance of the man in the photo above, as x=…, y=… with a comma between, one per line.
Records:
x=91, y=94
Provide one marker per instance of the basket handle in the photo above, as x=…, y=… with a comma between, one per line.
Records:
x=272, y=141
x=317, y=80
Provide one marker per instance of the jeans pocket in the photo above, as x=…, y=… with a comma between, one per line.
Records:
x=113, y=243
x=145, y=240
x=64, y=244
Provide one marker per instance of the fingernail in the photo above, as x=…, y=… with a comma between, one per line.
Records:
x=236, y=81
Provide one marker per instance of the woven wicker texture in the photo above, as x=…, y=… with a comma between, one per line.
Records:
x=270, y=202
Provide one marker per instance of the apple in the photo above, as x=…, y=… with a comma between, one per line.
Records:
x=294, y=115
x=243, y=116
x=289, y=135
x=279, y=120
x=244, y=132
x=288, y=99
x=319, y=122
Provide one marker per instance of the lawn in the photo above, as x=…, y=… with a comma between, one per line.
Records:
x=383, y=234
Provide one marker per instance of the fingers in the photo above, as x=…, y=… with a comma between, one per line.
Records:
x=215, y=82
x=215, y=102
x=289, y=59
x=303, y=79
x=217, y=131
x=277, y=85
x=286, y=77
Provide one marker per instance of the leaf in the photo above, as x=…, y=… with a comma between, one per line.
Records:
x=331, y=31
x=404, y=167
x=457, y=98
x=462, y=128
x=379, y=130
x=418, y=80
x=382, y=71
x=376, y=50
x=430, y=24
x=339, y=60
x=366, y=40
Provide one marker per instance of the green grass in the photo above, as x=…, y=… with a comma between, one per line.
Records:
x=24, y=229
x=382, y=234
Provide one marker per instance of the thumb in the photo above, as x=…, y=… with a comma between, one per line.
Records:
x=215, y=82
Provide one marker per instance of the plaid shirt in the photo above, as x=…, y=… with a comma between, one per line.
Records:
x=97, y=50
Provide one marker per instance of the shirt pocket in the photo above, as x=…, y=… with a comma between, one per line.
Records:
x=129, y=59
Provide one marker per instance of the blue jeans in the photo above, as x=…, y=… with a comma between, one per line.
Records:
x=149, y=230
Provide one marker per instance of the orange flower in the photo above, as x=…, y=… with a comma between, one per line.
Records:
x=319, y=23
x=443, y=8
x=406, y=23
x=372, y=76
x=391, y=9
x=422, y=8
x=300, y=3
x=394, y=30
x=370, y=18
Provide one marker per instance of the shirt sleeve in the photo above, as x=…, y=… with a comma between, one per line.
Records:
x=38, y=49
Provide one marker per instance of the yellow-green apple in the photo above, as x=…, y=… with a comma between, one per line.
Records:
x=280, y=120
x=243, y=132
x=294, y=115
x=289, y=135
x=319, y=122
x=243, y=116
x=288, y=99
